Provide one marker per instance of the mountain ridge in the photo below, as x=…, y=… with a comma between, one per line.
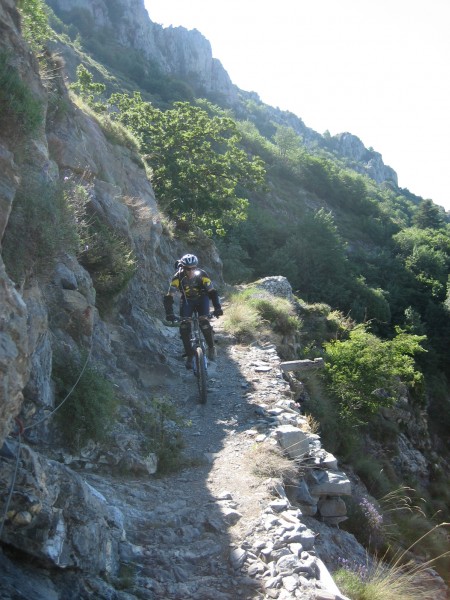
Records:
x=187, y=54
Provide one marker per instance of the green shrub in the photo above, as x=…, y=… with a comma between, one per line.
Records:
x=434, y=538
x=109, y=259
x=278, y=313
x=336, y=436
x=20, y=111
x=350, y=582
x=365, y=521
x=338, y=325
x=396, y=579
x=365, y=372
x=90, y=92
x=161, y=427
x=42, y=224
x=90, y=409
x=116, y=133
x=35, y=27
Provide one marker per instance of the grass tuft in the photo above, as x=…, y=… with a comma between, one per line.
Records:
x=397, y=579
x=241, y=320
x=269, y=461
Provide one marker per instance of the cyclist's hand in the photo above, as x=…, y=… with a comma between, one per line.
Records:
x=171, y=318
x=218, y=312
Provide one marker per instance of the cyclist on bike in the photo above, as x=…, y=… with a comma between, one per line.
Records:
x=196, y=289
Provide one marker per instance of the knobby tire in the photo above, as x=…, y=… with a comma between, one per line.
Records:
x=201, y=375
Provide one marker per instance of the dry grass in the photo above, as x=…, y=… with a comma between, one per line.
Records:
x=312, y=425
x=269, y=461
x=241, y=320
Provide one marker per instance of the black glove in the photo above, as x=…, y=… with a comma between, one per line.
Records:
x=168, y=307
x=214, y=297
x=168, y=304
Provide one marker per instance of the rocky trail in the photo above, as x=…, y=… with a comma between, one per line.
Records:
x=216, y=530
x=223, y=527
x=89, y=526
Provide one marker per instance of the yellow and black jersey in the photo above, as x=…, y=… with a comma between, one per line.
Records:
x=197, y=286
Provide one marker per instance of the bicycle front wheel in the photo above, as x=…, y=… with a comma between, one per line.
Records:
x=200, y=364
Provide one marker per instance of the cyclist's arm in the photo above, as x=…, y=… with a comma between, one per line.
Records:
x=168, y=299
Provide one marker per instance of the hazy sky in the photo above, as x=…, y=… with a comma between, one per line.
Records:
x=376, y=68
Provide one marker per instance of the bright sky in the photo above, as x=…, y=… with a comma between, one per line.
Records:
x=376, y=68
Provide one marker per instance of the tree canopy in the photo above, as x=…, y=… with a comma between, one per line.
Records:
x=199, y=170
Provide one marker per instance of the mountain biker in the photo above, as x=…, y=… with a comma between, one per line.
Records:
x=196, y=289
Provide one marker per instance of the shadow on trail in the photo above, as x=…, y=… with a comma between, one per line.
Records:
x=179, y=526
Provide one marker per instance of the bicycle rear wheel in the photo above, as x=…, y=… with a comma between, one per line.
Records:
x=200, y=369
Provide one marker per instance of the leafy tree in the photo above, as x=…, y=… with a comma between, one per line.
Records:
x=428, y=215
x=89, y=91
x=426, y=254
x=197, y=162
x=313, y=259
x=368, y=303
x=365, y=372
x=286, y=140
x=36, y=29
x=447, y=296
x=235, y=260
x=429, y=267
x=413, y=321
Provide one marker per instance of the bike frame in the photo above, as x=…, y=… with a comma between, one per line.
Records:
x=200, y=361
x=199, y=358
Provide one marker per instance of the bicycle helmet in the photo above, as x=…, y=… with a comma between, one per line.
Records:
x=189, y=260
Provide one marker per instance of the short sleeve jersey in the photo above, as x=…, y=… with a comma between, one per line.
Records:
x=191, y=288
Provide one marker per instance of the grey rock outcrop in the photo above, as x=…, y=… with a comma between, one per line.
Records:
x=83, y=528
x=14, y=342
x=366, y=161
x=9, y=180
x=53, y=515
x=60, y=519
x=177, y=51
x=14, y=366
x=276, y=286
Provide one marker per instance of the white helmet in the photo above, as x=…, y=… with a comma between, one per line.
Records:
x=189, y=260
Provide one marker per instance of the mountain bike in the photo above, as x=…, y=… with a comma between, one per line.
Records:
x=199, y=357
x=200, y=360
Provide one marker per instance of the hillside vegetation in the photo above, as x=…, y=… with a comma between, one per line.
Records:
x=369, y=263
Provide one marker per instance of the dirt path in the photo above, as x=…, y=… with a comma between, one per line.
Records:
x=182, y=528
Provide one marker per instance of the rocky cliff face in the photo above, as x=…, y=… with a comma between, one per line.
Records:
x=366, y=162
x=55, y=313
x=183, y=53
x=14, y=341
